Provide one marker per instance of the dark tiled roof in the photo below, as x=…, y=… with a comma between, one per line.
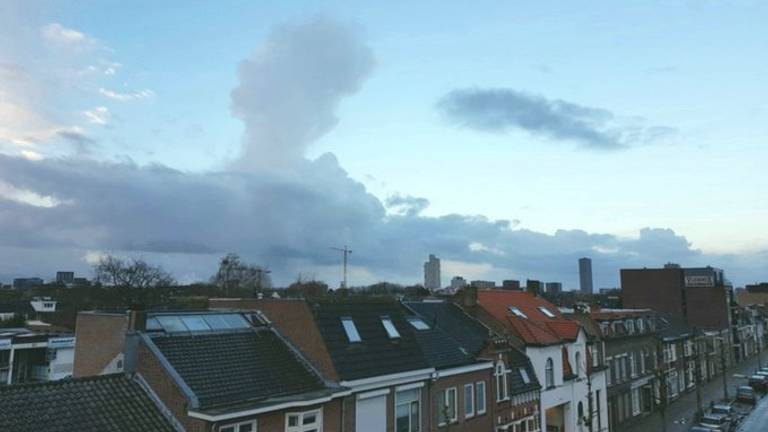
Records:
x=441, y=350
x=232, y=368
x=469, y=333
x=97, y=404
x=376, y=354
x=518, y=360
x=19, y=306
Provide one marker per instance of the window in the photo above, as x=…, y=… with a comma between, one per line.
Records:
x=580, y=413
x=546, y=312
x=595, y=355
x=469, y=400
x=418, y=323
x=524, y=376
x=408, y=410
x=517, y=312
x=501, y=382
x=549, y=373
x=389, y=327
x=632, y=365
x=249, y=426
x=309, y=421
x=480, y=393
x=610, y=375
x=630, y=327
x=690, y=371
x=635, y=401
x=672, y=384
x=351, y=330
x=640, y=325
x=447, y=407
x=578, y=363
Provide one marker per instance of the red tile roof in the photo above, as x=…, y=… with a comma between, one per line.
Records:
x=536, y=328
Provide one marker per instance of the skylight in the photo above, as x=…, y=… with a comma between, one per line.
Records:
x=196, y=322
x=390, y=328
x=524, y=375
x=351, y=330
x=418, y=323
x=517, y=312
x=546, y=312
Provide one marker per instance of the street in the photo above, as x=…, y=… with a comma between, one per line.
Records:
x=681, y=412
x=758, y=419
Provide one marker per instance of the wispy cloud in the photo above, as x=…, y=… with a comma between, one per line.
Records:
x=98, y=115
x=498, y=110
x=58, y=34
x=140, y=94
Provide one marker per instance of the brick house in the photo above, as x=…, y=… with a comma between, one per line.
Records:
x=403, y=373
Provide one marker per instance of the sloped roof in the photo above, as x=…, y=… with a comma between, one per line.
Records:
x=231, y=368
x=468, y=332
x=518, y=360
x=536, y=328
x=376, y=354
x=107, y=403
x=441, y=350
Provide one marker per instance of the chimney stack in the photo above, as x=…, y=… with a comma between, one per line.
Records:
x=470, y=296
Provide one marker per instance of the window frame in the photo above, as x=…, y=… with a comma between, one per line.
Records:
x=548, y=313
x=236, y=426
x=450, y=418
x=470, y=399
x=389, y=327
x=317, y=425
x=502, y=382
x=517, y=312
x=478, y=386
x=410, y=403
x=350, y=329
x=549, y=373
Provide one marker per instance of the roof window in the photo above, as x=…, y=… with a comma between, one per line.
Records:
x=517, y=312
x=351, y=330
x=524, y=375
x=389, y=327
x=546, y=312
x=418, y=323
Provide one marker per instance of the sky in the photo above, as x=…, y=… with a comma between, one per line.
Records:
x=508, y=138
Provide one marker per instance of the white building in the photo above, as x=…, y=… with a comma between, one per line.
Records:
x=457, y=283
x=432, y=280
x=558, y=351
x=33, y=357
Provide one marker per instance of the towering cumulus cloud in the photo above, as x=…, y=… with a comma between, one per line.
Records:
x=290, y=87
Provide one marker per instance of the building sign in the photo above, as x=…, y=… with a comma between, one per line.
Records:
x=61, y=342
x=699, y=281
x=5, y=344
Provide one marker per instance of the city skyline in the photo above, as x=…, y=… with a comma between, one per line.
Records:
x=539, y=153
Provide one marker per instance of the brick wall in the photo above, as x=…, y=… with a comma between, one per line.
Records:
x=166, y=389
x=707, y=307
x=657, y=289
x=482, y=422
x=99, y=339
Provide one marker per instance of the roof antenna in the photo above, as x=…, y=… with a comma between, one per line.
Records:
x=345, y=251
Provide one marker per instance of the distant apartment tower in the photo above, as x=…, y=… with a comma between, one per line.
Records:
x=24, y=283
x=65, y=277
x=483, y=284
x=534, y=286
x=585, y=275
x=553, y=287
x=457, y=283
x=432, y=273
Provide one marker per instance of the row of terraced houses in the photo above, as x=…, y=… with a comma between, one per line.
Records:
x=482, y=360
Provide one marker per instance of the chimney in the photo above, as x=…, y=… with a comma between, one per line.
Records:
x=470, y=296
x=137, y=318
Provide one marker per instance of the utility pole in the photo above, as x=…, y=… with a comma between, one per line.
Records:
x=259, y=273
x=697, y=375
x=345, y=251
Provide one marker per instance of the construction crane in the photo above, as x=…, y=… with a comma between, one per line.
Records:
x=345, y=251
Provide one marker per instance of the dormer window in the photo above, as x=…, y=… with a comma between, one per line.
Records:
x=389, y=327
x=630, y=326
x=351, y=330
x=546, y=312
x=517, y=312
x=524, y=376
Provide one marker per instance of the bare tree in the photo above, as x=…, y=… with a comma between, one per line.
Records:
x=135, y=279
x=236, y=277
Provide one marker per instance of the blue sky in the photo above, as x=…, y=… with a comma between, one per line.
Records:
x=694, y=70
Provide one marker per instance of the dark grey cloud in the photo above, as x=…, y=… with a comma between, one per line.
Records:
x=498, y=110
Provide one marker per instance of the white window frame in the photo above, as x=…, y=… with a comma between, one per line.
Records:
x=236, y=426
x=353, y=336
x=480, y=390
x=502, y=383
x=451, y=417
x=469, y=399
x=632, y=365
x=635, y=401
x=549, y=372
x=317, y=425
x=418, y=401
x=546, y=312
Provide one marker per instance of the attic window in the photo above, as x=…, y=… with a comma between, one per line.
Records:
x=351, y=330
x=546, y=312
x=418, y=323
x=517, y=312
x=524, y=375
x=389, y=327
